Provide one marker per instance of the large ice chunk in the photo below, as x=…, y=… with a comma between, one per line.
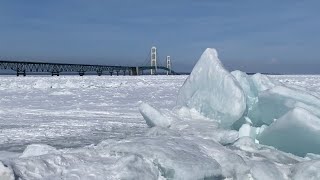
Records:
x=175, y=157
x=277, y=101
x=251, y=150
x=247, y=86
x=266, y=170
x=213, y=91
x=153, y=117
x=206, y=130
x=6, y=173
x=306, y=170
x=262, y=82
x=254, y=84
x=37, y=150
x=297, y=132
x=84, y=165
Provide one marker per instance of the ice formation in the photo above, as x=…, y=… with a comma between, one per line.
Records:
x=247, y=86
x=37, y=150
x=275, y=102
x=213, y=91
x=153, y=117
x=291, y=114
x=6, y=173
x=298, y=132
x=306, y=170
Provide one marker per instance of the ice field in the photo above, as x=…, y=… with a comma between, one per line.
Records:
x=211, y=125
x=73, y=111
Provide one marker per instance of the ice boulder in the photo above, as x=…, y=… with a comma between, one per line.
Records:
x=84, y=165
x=6, y=173
x=306, y=170
x=153, y=117
x=266, y=170
x=205, y=129
x=251, y=150
x=262, y=82
x=254, y=84
x=174, y=157
x=297, y=132
x=37, y=150
x=213, y=91
x=275, y=102
x=247, y=131
x=247, y=86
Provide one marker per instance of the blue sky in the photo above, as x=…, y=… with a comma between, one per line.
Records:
x=269, y=36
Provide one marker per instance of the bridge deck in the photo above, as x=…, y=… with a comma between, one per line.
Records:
x=22, y=67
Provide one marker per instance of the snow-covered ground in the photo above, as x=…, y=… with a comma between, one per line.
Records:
x=205, y=126
x=74, y=111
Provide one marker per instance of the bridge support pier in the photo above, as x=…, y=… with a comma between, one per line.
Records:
x=81, y=73
x=124, y=72
x=117, y=73
x=99, y=73
x=21, y=73
x=55, y=73
x=135, y=71
x=111, y=72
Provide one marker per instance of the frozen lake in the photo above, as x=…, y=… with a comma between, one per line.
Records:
x=97, y=132
x=74, y=111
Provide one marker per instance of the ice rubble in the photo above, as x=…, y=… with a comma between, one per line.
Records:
x=293, y=114
x=275, y=102
x=297, y=132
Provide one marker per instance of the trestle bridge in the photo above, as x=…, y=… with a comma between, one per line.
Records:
x=55, y=69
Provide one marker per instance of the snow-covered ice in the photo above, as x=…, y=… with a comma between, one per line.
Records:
x=73, y=111
x=90, y=127
x=6, y=173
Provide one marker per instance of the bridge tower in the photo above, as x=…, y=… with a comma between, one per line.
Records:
x=153, y=60
x=168, y=65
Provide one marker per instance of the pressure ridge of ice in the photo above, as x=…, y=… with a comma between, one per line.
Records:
x=213, y=91
x=225, y=126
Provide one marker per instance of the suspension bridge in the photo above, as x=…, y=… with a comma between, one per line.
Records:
x=55, y=69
